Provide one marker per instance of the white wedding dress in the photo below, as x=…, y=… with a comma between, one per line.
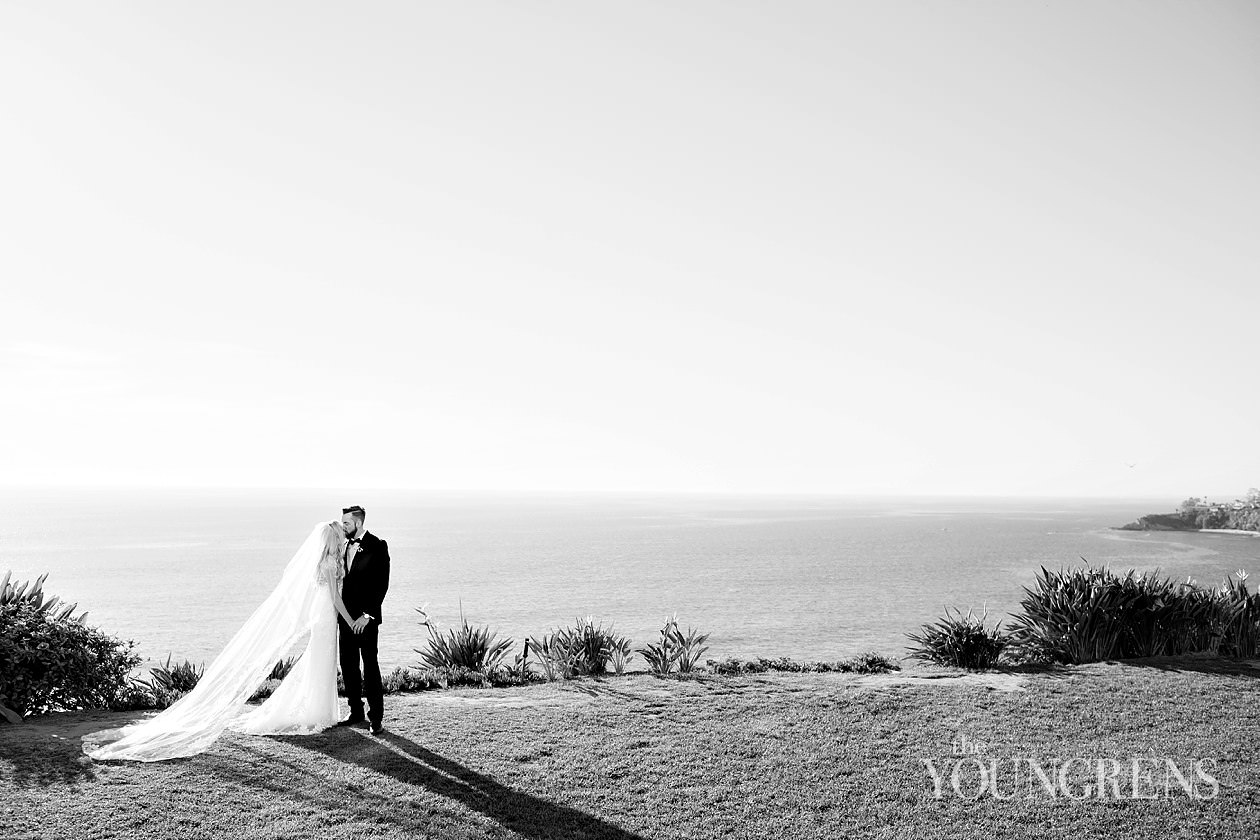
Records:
x=305, y=701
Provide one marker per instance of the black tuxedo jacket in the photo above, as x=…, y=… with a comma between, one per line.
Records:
x=367, y=581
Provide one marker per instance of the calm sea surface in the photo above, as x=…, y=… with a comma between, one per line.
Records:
x=809, y=578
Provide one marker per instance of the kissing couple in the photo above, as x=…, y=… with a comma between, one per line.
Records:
x=331, y=593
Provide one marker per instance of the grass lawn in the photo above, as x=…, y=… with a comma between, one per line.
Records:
x=760, y=756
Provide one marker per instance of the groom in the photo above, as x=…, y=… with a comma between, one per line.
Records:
x=367, y=579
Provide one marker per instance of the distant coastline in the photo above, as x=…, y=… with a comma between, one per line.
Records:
x=1145, y=524
x=1172, y=522
x=1239, y=517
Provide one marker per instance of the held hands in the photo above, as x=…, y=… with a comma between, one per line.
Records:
x=360, y=623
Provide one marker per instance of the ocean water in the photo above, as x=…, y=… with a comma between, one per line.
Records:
x=806, y=577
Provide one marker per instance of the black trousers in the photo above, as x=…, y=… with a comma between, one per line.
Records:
x=352, y=647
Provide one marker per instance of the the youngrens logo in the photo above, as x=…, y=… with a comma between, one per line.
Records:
x=970, y=773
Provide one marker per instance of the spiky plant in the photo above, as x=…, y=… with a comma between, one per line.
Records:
x=1091, y=614
x=167, y=683
x=1242, y=612
x=960, y=640
x=557, y=653
x=1071, y=616
x=622, y=653
x=282, y=668
x=32, y=595
x=662, y=655
x=473, y=648
x=690, y=648
x=674, y=650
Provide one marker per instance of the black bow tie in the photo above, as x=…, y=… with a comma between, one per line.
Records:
x=354, y=540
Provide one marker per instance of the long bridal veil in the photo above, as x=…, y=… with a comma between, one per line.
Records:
x=193, y=722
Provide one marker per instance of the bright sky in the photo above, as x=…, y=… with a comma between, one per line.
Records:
x=877, y=247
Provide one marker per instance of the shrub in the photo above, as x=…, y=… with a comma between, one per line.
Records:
x=866, y=663
x=780, y=664
x=456, y=676
x=133, y=697
x=585, y=649
x=167, y=684
x=674, y=649
x=728, y=667
x=591, y=644
x=960, y=640
x=594, y=646
x=472, y=648
x=520, y=664
x=406, y=679
x=50, y=660
x=690, y=648
x=282, y=668
x=278, y=672
x=556, y=655
x=32, y=595
x=1204, y=621
x=1071, y=616
x=872, y=662
x=509, y=677
x=265, y=690
x=1241, y=614
x=1090, y=614
x=621, y=655
x=661, y=656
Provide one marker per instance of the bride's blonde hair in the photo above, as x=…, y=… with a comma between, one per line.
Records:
x=333, y=536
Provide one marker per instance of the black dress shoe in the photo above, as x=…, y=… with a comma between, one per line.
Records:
x=378, y=729
x=351, y=721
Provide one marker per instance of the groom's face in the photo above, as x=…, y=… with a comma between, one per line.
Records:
x=349, y=524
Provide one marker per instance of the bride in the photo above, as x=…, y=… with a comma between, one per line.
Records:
x=307, y=600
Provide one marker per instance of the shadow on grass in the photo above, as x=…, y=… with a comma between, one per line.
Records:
x=1194, y=663
x=31, y=757
x=595, y=687
x=1246, y=668
x=411, y=764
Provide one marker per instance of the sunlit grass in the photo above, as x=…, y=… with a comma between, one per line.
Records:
x=759, y=755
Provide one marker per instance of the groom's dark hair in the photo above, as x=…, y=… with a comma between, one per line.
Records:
x=355, y=511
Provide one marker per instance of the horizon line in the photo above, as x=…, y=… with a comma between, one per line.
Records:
x=585, y=491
